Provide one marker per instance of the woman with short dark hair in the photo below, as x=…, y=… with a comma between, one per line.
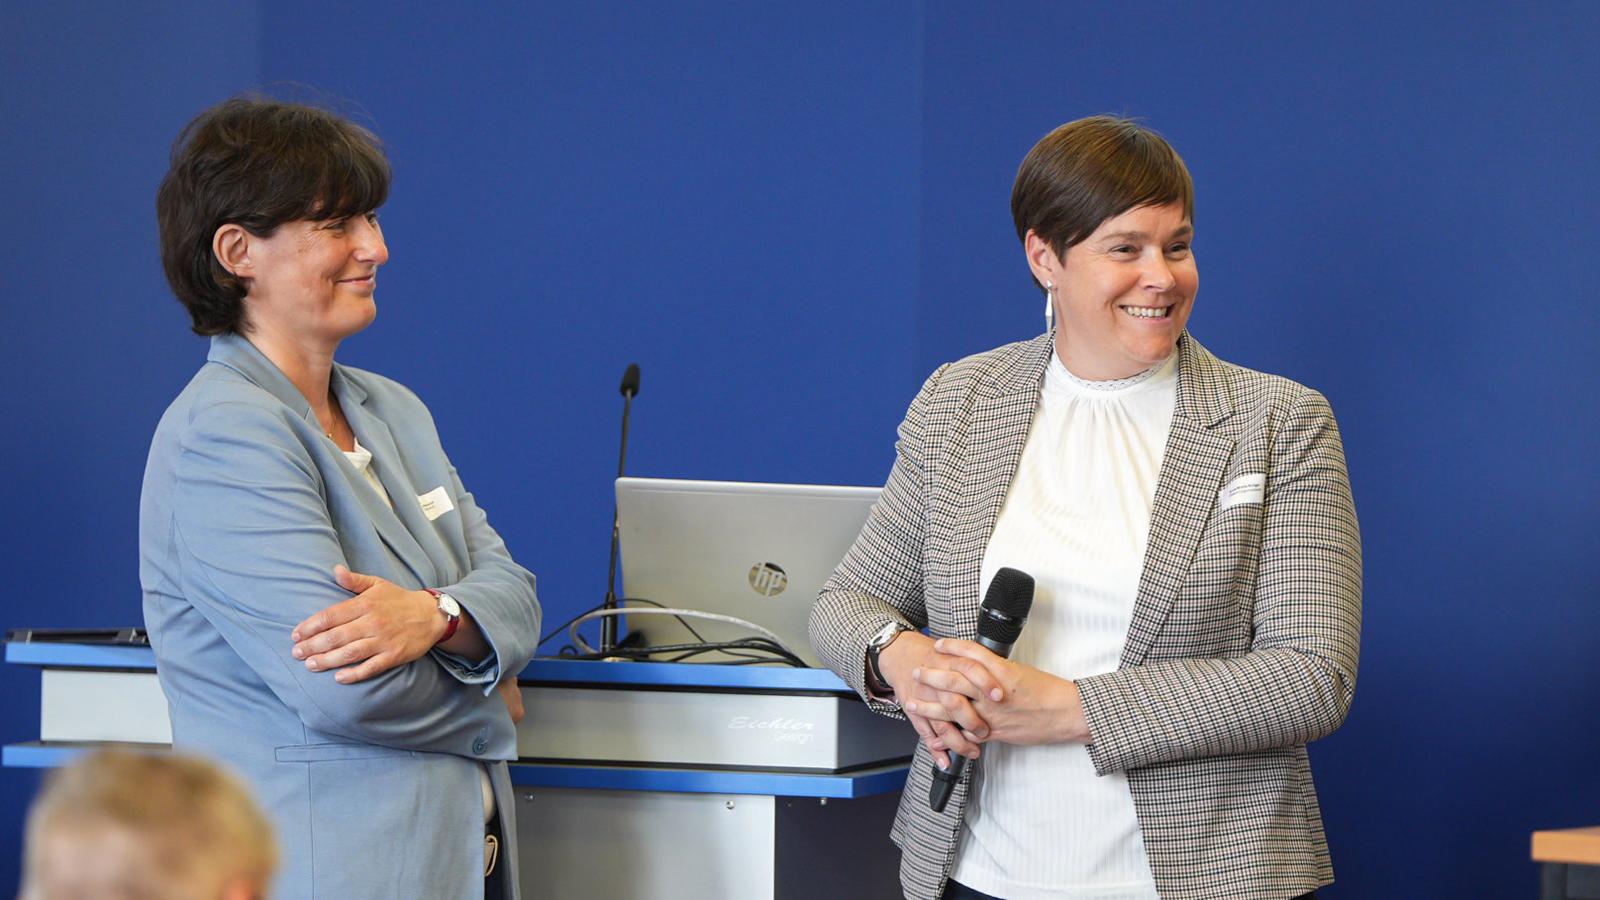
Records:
x=331, y=612
x=1189, y=528
x=256, y=164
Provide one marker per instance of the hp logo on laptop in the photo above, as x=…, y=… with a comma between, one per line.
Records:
x=768, y=579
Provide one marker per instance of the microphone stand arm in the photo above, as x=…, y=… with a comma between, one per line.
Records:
x=608, y=624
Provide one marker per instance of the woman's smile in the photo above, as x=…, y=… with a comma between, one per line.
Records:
x=1123, y=294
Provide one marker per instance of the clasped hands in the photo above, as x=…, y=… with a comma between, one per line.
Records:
x=382, y=627
x=958, y=696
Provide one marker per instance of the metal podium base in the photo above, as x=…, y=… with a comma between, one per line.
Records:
x=644, y=845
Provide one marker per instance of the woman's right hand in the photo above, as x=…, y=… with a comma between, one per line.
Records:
x=911, y=651
x=382, y=627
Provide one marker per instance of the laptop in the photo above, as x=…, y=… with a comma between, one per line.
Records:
x=758, y=552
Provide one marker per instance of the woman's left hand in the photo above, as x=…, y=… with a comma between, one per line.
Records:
x=1021, y=704
x=382, y=627
x=511, y=693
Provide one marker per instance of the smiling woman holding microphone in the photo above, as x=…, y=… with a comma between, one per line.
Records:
x=1189, y=527
x=329, y=608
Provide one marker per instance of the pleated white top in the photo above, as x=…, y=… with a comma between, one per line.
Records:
x=1041, y=825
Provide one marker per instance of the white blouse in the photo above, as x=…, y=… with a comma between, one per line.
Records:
x=1040, y=823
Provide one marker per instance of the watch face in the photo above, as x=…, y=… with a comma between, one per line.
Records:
x=449, y=606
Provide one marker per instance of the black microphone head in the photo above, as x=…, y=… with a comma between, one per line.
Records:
x=1005, y=606
x=630, y=381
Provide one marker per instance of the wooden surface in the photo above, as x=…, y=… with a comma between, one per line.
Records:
x=1572, y=845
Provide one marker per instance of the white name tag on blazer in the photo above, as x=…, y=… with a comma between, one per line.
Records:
x=1244, y=489
x=435, y=503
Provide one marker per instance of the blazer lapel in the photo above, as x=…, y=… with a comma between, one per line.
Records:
x=238, y=354
x=1195, y=459
x=397, y=527
x=998, y=430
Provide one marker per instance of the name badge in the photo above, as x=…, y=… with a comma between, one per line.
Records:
x=1244, y=489
x=435, y=503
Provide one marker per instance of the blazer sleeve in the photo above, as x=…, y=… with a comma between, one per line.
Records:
x=257, y=549
x=880, y=579
x=1296, y=683
x=498, y=593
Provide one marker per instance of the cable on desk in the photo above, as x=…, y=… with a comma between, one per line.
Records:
x=767, y=642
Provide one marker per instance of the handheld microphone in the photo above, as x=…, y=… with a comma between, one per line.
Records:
x=608, y=624
x=1000, y=620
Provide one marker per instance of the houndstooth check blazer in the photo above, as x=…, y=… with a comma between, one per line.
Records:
x=1245, y=630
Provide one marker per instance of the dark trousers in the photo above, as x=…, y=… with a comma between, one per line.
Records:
x=955, y=890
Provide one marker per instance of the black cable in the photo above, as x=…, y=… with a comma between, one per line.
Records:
x=681, y=620
x=743, y=659
x=765, y=653
x=563, y=626
x=776, y=652
x=764, y=650
x=761, y=644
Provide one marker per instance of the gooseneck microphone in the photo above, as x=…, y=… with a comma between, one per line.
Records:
x=1000, y=620
x=608, y=624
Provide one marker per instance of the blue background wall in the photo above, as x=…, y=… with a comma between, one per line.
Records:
x=788, y=215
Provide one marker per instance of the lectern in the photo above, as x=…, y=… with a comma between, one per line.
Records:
x=635, y=780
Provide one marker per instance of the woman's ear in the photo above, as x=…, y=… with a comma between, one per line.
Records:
x=231, y=246
x=1042, y=258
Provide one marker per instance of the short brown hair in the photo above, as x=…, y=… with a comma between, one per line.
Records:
x=1090, y=170
x=124, y=824
x=257, y=163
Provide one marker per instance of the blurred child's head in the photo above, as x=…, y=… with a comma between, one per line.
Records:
x=124, y=825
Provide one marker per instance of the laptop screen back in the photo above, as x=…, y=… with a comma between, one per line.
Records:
x=759, y=552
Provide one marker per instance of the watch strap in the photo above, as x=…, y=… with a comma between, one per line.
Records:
x=452, y=622
x=882, y=639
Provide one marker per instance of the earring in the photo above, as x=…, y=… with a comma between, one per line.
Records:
x=1049, y=305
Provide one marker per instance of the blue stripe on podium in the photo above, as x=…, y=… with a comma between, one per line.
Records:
x=863, y=783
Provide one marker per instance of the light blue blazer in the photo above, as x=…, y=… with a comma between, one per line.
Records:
x=247, y=507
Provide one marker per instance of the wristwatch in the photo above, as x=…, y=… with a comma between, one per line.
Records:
x=450, y=609
x=883, y=638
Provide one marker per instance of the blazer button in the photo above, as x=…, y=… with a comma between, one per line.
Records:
x=478, y=746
